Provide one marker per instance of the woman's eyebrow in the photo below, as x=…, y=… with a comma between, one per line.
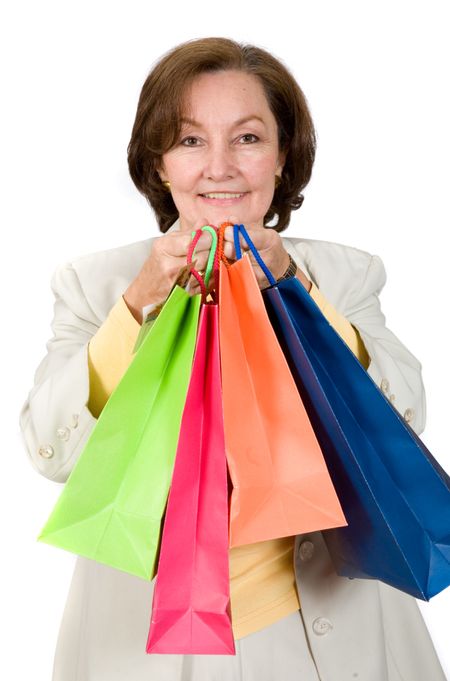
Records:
x=241, y=121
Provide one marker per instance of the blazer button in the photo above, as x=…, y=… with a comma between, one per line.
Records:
x=46, y=451
x=306, y=551
x=408, y=415
x=384, y=385
x=63, y=433
x=321, y=626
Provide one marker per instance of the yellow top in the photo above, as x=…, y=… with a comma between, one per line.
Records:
x=262, y=578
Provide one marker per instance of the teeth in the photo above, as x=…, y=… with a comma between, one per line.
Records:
x=222, y=195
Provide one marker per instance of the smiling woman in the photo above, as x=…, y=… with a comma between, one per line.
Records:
x=233, y=106
x=228, y=154
x=222, y=130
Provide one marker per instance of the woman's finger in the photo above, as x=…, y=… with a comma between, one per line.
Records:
x=205, y=241
x=228, y=234
x=261, y=237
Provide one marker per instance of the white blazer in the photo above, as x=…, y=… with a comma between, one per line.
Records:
x=363, y=628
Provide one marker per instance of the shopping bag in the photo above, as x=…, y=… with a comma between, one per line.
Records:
x=281, y=485
x=191, y=598
x=394, y=494
x=112, y=505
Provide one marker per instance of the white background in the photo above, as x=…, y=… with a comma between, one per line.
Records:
x=376, y=78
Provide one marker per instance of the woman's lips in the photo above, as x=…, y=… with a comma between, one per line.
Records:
x=222, y=200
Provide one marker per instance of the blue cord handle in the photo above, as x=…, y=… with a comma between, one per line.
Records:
x=259, y=260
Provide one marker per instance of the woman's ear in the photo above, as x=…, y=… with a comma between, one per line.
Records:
x=281, y=161
x=162, y=173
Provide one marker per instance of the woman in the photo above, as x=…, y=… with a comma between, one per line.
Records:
x=222, y=131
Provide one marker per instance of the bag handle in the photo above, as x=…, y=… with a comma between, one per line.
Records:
x=211, y=263
x=221, y=257
x=240, y=229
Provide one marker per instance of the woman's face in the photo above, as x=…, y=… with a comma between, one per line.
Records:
x=226, y=159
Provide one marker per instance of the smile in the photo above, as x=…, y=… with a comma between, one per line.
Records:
x=223, y=195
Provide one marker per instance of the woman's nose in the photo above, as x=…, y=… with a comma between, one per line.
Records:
x=219, y=163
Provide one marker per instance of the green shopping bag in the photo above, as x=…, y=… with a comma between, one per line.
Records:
x=112, y=505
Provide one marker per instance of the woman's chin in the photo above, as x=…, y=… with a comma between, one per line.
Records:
x=220, y=210
x=216, y=215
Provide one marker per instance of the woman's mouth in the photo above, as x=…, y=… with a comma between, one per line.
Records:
x=222, y=198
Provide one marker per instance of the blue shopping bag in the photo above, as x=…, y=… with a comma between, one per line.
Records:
x=394, y=494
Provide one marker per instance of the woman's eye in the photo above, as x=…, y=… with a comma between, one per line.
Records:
x=245, y=138
x=189, y=141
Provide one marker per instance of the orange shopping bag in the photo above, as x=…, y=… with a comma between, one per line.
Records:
x=281, y=485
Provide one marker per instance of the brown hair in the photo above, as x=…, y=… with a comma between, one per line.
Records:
x=157, y=125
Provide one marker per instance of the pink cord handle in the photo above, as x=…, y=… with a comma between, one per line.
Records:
x=215, y=266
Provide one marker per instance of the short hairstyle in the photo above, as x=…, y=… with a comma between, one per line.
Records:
x=157, y=124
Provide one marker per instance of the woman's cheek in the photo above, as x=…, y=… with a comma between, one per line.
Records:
x=261, y=170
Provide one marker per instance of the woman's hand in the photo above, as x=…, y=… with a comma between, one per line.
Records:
x=269, y=244
x=159, y=272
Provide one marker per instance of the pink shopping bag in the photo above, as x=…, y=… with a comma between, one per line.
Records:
x=191, y=601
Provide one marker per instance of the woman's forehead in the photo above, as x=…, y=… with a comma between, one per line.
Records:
x=234, y=95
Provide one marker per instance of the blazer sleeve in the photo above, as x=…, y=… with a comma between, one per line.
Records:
x=392, y=366
x=55, y=420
